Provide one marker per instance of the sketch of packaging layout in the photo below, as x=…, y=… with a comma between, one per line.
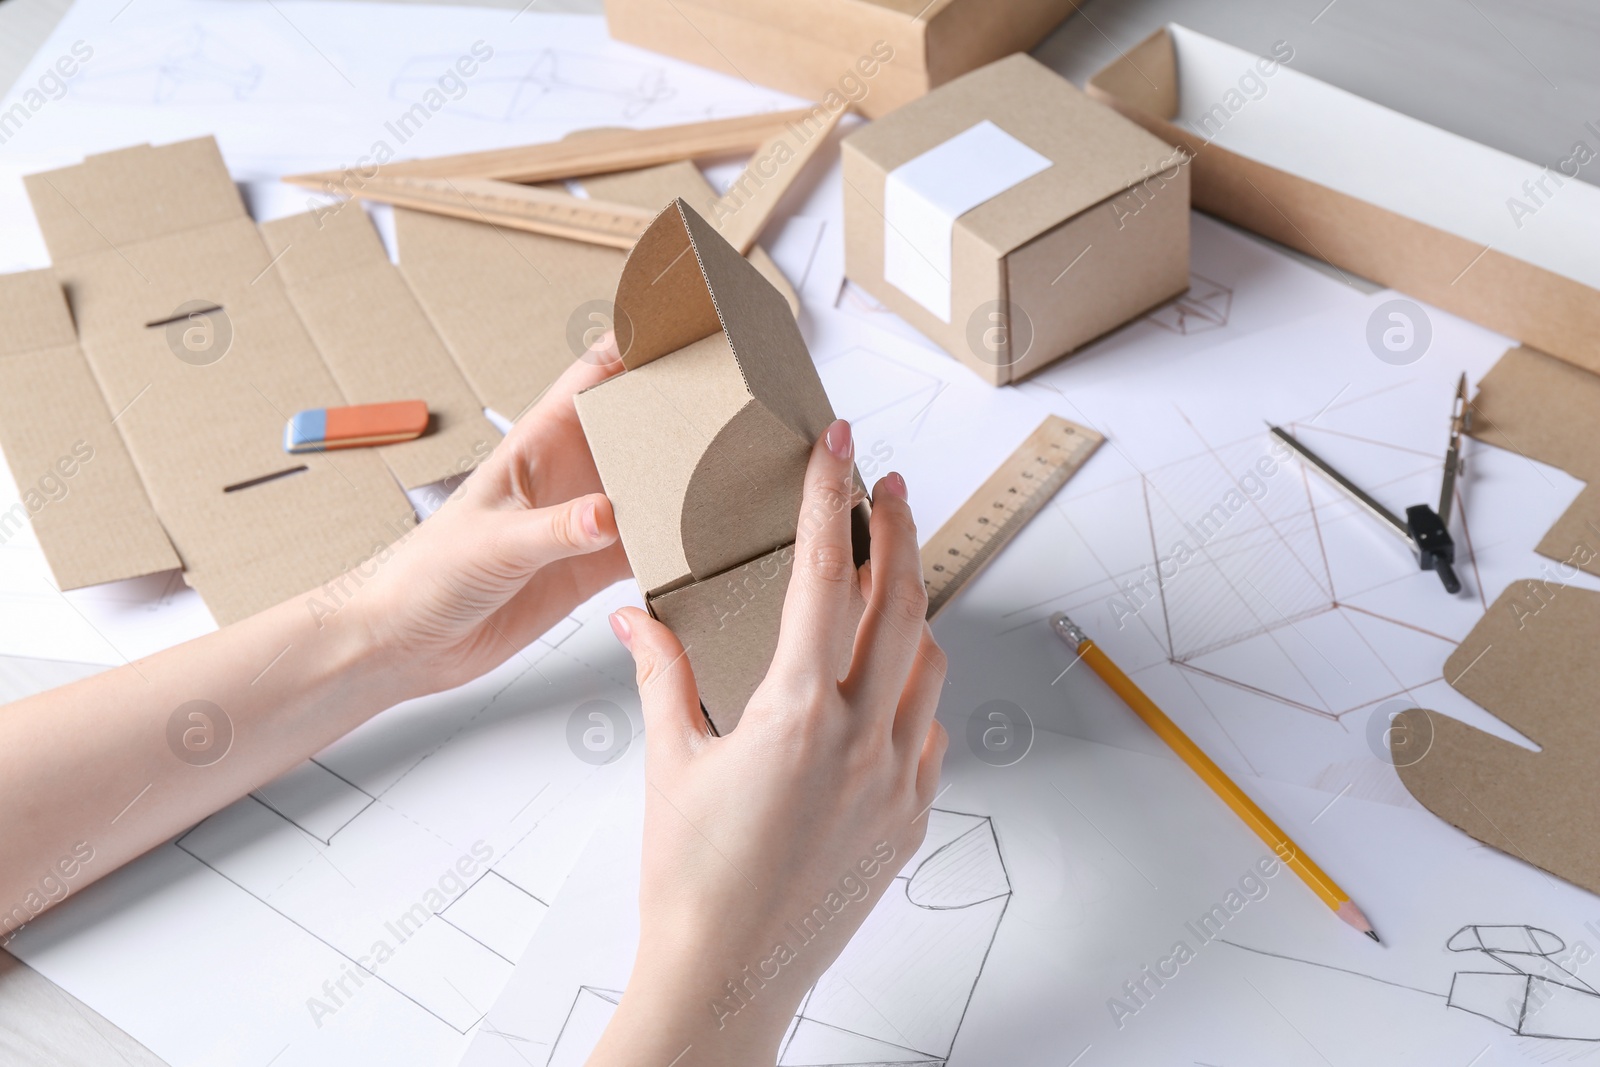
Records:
x=1534, y=996
x=518, y=86
x=899, y=991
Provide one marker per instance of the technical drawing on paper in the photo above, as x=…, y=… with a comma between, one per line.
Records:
x=382, y=875
x=1255, y=585
x=191, y=66
x=1533, y=995
x=518, y=85
x=1204, y=307
x=899, y=991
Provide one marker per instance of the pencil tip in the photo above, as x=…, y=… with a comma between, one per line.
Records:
x=1374, y=935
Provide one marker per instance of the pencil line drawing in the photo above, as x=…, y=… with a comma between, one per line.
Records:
x=1534, y=995
x=1255, y=604
x=186, y=66
x=1204, y=307
x=370, y=873
x=519, y=85
x=899, y=992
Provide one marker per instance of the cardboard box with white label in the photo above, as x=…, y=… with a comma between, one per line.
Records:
x=1012, y=219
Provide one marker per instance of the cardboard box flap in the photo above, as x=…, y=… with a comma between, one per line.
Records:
x=663, y=302
x=1046, y=113
x=515, y=308
x=1548, y=410
x=653, y=188
x=74, y=476
x=375, y=338
x=1144, y=77
x=124, y=197
x=1530, y=661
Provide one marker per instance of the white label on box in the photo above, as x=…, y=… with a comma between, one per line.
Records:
x=923, y=198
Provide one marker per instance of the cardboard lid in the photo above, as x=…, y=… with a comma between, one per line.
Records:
x=1097, y=153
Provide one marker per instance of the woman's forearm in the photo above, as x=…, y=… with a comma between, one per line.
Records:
x=98, y=772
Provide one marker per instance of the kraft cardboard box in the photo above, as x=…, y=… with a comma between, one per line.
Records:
x=1012, y=219
x=702, y=444
x=875, y=54
x=1498, y=240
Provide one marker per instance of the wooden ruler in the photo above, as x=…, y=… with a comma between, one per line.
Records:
x=583, y=153
x=515, y=207
x=1002, y=506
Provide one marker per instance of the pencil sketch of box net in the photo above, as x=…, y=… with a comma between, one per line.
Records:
x=702, y=445
x=1535, y=996
x=937, y=921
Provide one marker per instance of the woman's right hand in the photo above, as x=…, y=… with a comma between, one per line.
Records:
x=765, y=849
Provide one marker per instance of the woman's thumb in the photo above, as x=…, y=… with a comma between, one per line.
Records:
x=575, y=527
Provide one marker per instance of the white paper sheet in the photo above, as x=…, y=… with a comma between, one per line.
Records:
x=1279, y=648
x=1277, y=651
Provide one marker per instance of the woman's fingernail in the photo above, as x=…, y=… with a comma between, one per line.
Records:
x=591, y=522
x=624, y=632
x=895, y=484
x=838, y=439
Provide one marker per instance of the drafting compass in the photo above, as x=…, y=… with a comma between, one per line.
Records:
x=1425, y=529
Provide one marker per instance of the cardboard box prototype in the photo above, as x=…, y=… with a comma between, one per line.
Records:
x=702, y=445
x=1011, y=219
x=877, y=54
x=1495, y=239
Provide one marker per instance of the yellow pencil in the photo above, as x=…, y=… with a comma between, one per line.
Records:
x=1282, y=844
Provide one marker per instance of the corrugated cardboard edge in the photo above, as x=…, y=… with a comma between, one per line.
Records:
x=1545, y=409
x=74, y=476
x=1530, y=661
x=1500, y=292
x=375, y=338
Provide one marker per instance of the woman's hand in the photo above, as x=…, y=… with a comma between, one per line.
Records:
x=526, y=538
x=765, y=849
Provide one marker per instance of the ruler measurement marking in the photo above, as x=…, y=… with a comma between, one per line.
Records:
x=1018, y=491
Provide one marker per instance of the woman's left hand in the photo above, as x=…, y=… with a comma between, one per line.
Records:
x=526, y=538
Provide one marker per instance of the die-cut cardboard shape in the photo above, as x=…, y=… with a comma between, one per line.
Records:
x=702, y=444
x=1530, y=661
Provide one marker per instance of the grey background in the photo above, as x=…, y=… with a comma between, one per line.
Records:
x=1522, y=77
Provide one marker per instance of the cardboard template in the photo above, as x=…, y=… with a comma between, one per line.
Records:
x=1530, y=661
x=879, y=54
x=376, y=339
x=1484, y=235
x=198, y=334
x=702, y=445
x=202, y=337
x=1037, y=263
x=76, y=479
x=513, y=308
x=1549, y=410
